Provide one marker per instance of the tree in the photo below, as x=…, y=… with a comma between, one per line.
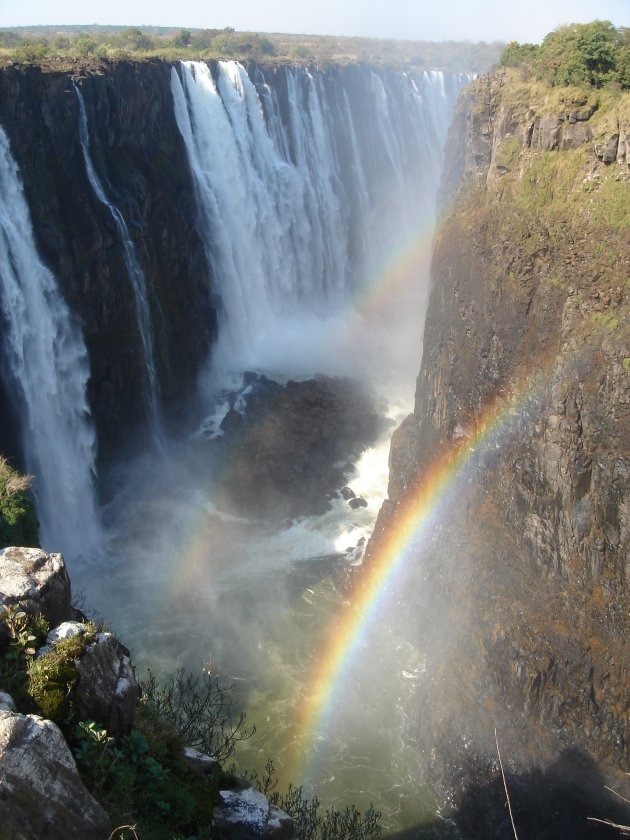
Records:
x=183, y=38
x=578, y=54
x=515, y=54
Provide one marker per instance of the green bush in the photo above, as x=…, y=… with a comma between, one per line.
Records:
x=52, y=677
x=515, y=54
x=164, y=802
x=18, y=523
x=20, y=636
x=594, y=54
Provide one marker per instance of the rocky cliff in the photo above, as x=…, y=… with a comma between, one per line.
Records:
x=138, y=155
x=520, y=591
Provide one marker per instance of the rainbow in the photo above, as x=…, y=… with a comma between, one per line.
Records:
x=410, y=523
x=392, y=280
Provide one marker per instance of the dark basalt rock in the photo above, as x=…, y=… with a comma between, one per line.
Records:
x=287, y=454
x=140, y=158
x=519, y=592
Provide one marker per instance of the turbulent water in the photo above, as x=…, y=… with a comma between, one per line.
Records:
x=47, y=366
x=314, y=194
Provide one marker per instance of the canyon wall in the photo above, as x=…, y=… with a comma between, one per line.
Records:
x=137, y=152
x=285, y=209
x=520, y=590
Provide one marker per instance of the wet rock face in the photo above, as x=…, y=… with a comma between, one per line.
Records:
x=289, y=449
x=528, y=325
x=138, y=154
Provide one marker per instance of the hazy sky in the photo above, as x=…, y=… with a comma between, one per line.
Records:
x=523, y=20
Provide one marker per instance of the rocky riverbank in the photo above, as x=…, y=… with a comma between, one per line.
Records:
x=81, y=676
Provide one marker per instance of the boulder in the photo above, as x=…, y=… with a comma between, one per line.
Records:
x=289, y=452
x=7, y=703
x=357, y=502
x=41, y=793
x=65, y=630
x=107, y=690
x=37, y=581
x=248, y=815
x=201, y=763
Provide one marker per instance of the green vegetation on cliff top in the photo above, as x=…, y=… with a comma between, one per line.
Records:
x=594, y=54
x=55, y=47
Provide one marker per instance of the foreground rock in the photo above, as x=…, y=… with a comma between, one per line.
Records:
x=247, y=815
x=107, y=690
x=41, y=794
x=37, y=581
x=289, y=448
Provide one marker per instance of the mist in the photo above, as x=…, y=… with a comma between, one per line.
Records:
x=319, y=243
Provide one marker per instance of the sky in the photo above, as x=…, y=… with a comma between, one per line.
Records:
x=430, y=20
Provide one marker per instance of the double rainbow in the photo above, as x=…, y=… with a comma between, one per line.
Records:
x=406, y=529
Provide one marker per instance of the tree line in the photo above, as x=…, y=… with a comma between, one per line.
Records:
x=595, y=54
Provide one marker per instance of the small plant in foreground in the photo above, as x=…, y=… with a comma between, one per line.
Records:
x=22, y=634
x=18, y=522
x=164, y=802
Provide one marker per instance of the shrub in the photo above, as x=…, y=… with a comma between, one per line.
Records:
x=20, y=636
x=594, y=54
x=310, y=822
x=313, y=824
x=18, y=523
x=199, y=710
x=579, y=54
x=132, y=784
x=515, y=54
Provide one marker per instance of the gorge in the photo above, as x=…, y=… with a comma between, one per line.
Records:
x=188, y=237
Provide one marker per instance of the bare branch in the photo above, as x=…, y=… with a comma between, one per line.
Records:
x=617, y=794
x=507, y=795
x=624, y=829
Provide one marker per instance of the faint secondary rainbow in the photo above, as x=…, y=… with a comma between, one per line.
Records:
x=409, y=524
x=392, y=279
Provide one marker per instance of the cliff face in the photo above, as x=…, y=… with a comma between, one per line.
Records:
x=521, y=596
x=139, y=157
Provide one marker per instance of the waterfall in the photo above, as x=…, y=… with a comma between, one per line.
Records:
x=47, y=367
x=305, y=182
x=136, y=277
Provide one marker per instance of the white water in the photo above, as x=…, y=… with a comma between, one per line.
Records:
x=45, y=355
x=302, y=204
x=306, y=191
x=136, y=277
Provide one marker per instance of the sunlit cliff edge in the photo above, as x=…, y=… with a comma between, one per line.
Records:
x=521, y=586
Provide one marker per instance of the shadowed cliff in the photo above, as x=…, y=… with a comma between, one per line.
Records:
x=138, y=155
x=519, y=588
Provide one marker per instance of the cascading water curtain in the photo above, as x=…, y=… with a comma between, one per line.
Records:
x=47, y=369
x=303, y=181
